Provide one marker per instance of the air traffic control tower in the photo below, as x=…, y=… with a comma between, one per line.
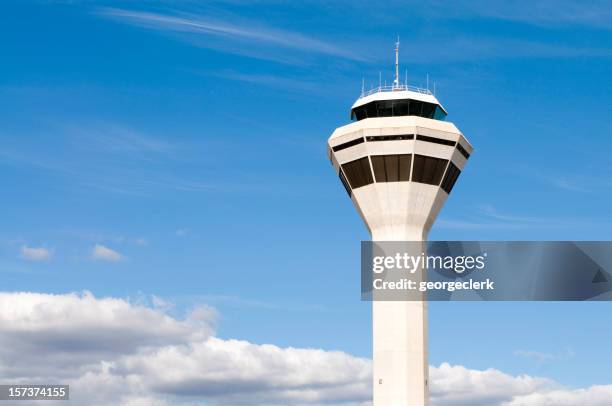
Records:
x=398, y=161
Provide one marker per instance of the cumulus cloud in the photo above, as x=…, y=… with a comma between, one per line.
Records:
x=102, y=253
x=456, y=385
x=597, y=395
x=35, y=253
x=51, y=335
x=114, y=351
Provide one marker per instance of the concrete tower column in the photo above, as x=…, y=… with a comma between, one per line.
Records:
x=399, y=344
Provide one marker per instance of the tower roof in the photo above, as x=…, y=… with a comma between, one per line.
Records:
x=397, y=92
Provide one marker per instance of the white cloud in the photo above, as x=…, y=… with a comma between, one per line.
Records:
x=487, y=217
x=535, y=355
x=545, y=357
x=113, y=351
x=548, y=13
x=597, y=395
x=102, y=253
x=249, y=34
x=143, y=242
x=457, y=385
x=36, y=253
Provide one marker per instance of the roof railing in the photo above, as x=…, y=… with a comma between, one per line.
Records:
x=395, y=88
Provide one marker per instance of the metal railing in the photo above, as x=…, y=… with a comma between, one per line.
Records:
x=395, y=88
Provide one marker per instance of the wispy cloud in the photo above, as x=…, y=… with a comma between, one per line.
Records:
x=549, y=13
x=117, y=159
x=274, y=81
x=237, y=35
x=565, y=180
x=535, y=355
x=121, y=139
x=487, y=217
x=256, y=34
x=574, y=182
x=464, y=48
x=560, y=14
x=238, y=301
x=544, y=357
x=102, y=253
x=35, y=253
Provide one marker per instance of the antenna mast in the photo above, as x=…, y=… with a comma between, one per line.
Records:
x=397, y=44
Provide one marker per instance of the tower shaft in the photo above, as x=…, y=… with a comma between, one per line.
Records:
x=399, y=345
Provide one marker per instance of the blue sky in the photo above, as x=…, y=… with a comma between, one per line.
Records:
x=187, y=142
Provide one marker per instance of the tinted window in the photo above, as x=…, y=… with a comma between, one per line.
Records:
x=345, y=183
x=358, y=114
x=450, y=178
x=392, y=168
x=400, y=108
x=404, y=167
x=435, y=140
x=378, y=164
x=397, y=137
x=348, y=144
x=428, y=110
x=428, y=169
x=358, y=172
x=463, y=151
x=439, y=114
x=370, y=110
x=414, y=109
x=387, y=108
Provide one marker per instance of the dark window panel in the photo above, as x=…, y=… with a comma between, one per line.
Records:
x=345, y=183
x=388, y=108
x=378, y=164
x=371, y=138
x=371, y=110
x=439, y=114
x=414, y=108
x=348, y=144
x=404, y=167
x=400, y=108
x=418, y=168
x=358, y=113
x=385, y=108
x=428, y=110
x=463, y=151
x=358, y=172
x=392, y=168
x=450, y=178
x=435, y=140
x=428, y=169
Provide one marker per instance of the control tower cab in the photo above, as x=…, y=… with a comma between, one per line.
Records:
x=398, y=160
